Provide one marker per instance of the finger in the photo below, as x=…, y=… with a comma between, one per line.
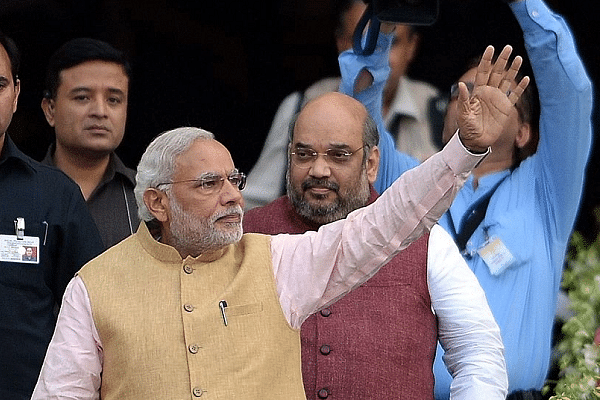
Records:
x=463, y=92
x=511, y=74
x=485, y=67
x=516, y=93
x=499, y=68
x=505, y=86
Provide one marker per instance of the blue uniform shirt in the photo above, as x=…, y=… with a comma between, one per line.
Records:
x=533, y=210
x=55, y=213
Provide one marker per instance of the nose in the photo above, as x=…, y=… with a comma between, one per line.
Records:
x=320, y=168
x=230, y=194
x=98, y=107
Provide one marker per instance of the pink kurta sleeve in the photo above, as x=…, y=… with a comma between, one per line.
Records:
x=73, y=363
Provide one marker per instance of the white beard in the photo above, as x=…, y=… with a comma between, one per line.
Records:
x=194, y=237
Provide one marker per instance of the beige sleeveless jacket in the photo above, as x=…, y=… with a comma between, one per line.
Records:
x=164, y=335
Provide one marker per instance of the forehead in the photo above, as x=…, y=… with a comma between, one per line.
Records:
x=94, y=73
x=402, y=32
x=203, y=156
x=328, y=124
x=5, y=67
x=352, y=16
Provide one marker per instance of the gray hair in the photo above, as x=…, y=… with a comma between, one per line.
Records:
x=370, y=133
x=157, y=164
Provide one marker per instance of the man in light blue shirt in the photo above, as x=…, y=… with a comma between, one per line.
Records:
x=517, y=250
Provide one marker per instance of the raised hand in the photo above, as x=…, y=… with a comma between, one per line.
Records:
x=483, y=113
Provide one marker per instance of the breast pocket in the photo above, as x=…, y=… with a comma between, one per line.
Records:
x=243, y=316
x=504, y=245
x=244, y=309
x=21, y=259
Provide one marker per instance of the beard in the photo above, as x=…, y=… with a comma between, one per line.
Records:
x=194, y=236
x=356, y=196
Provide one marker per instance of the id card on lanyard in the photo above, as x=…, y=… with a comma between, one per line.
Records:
x=496, y=255
x=19, y=248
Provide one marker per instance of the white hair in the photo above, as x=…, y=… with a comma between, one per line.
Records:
x=157, y=164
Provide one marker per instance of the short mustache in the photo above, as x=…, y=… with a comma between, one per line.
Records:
x=97, y=126
x=320, y=183
x=235, y=210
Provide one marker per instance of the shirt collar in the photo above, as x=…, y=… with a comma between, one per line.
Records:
x=488, y=181
x=11, y=151
x=403, y=103
x=115, y=165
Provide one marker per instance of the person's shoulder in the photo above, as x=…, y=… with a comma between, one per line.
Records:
x=114, y=255
x=122, y=169
x=263, y=219
x=425, y=89
x=262, y=212
x=53, y=176
x=320, y=87
x=51, y=187
x=48, y=175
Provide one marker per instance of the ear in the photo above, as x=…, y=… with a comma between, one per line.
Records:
x=157, y=203
x=342, y=43
x=414, y=42
x=373, y=164
x=48, y=108
x=17, y=91
x=523, y=135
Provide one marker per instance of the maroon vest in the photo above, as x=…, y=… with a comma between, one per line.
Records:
x=378, y=342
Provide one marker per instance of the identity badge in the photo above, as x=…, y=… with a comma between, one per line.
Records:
x=496, y=255
x=25, y=250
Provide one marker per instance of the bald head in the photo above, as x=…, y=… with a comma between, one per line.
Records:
x=333, y=158
x=334, y=107
x=336, y=116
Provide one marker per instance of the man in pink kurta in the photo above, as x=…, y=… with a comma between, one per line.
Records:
x=188, y=190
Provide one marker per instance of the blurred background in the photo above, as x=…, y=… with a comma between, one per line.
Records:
x=226, y=65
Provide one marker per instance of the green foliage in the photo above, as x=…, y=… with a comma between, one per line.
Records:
x=580, y=357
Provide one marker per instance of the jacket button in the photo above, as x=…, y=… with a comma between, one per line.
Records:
x=188, y=269
x=188, y=307
x=326, y=312
x=325, y=349
x=197, y=392
x=193, y=348
x=323, y=393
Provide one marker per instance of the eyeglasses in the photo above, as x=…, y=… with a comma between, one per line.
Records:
x=212, y=183
x=335, y=158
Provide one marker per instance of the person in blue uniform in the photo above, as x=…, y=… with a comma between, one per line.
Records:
x=529, y=202
x=41, y=209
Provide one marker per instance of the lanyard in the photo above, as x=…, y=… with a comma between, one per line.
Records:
x=472, y=218
x=369, y=18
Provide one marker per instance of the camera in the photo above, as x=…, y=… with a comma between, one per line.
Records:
x=414, y=12
x=411, y=12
